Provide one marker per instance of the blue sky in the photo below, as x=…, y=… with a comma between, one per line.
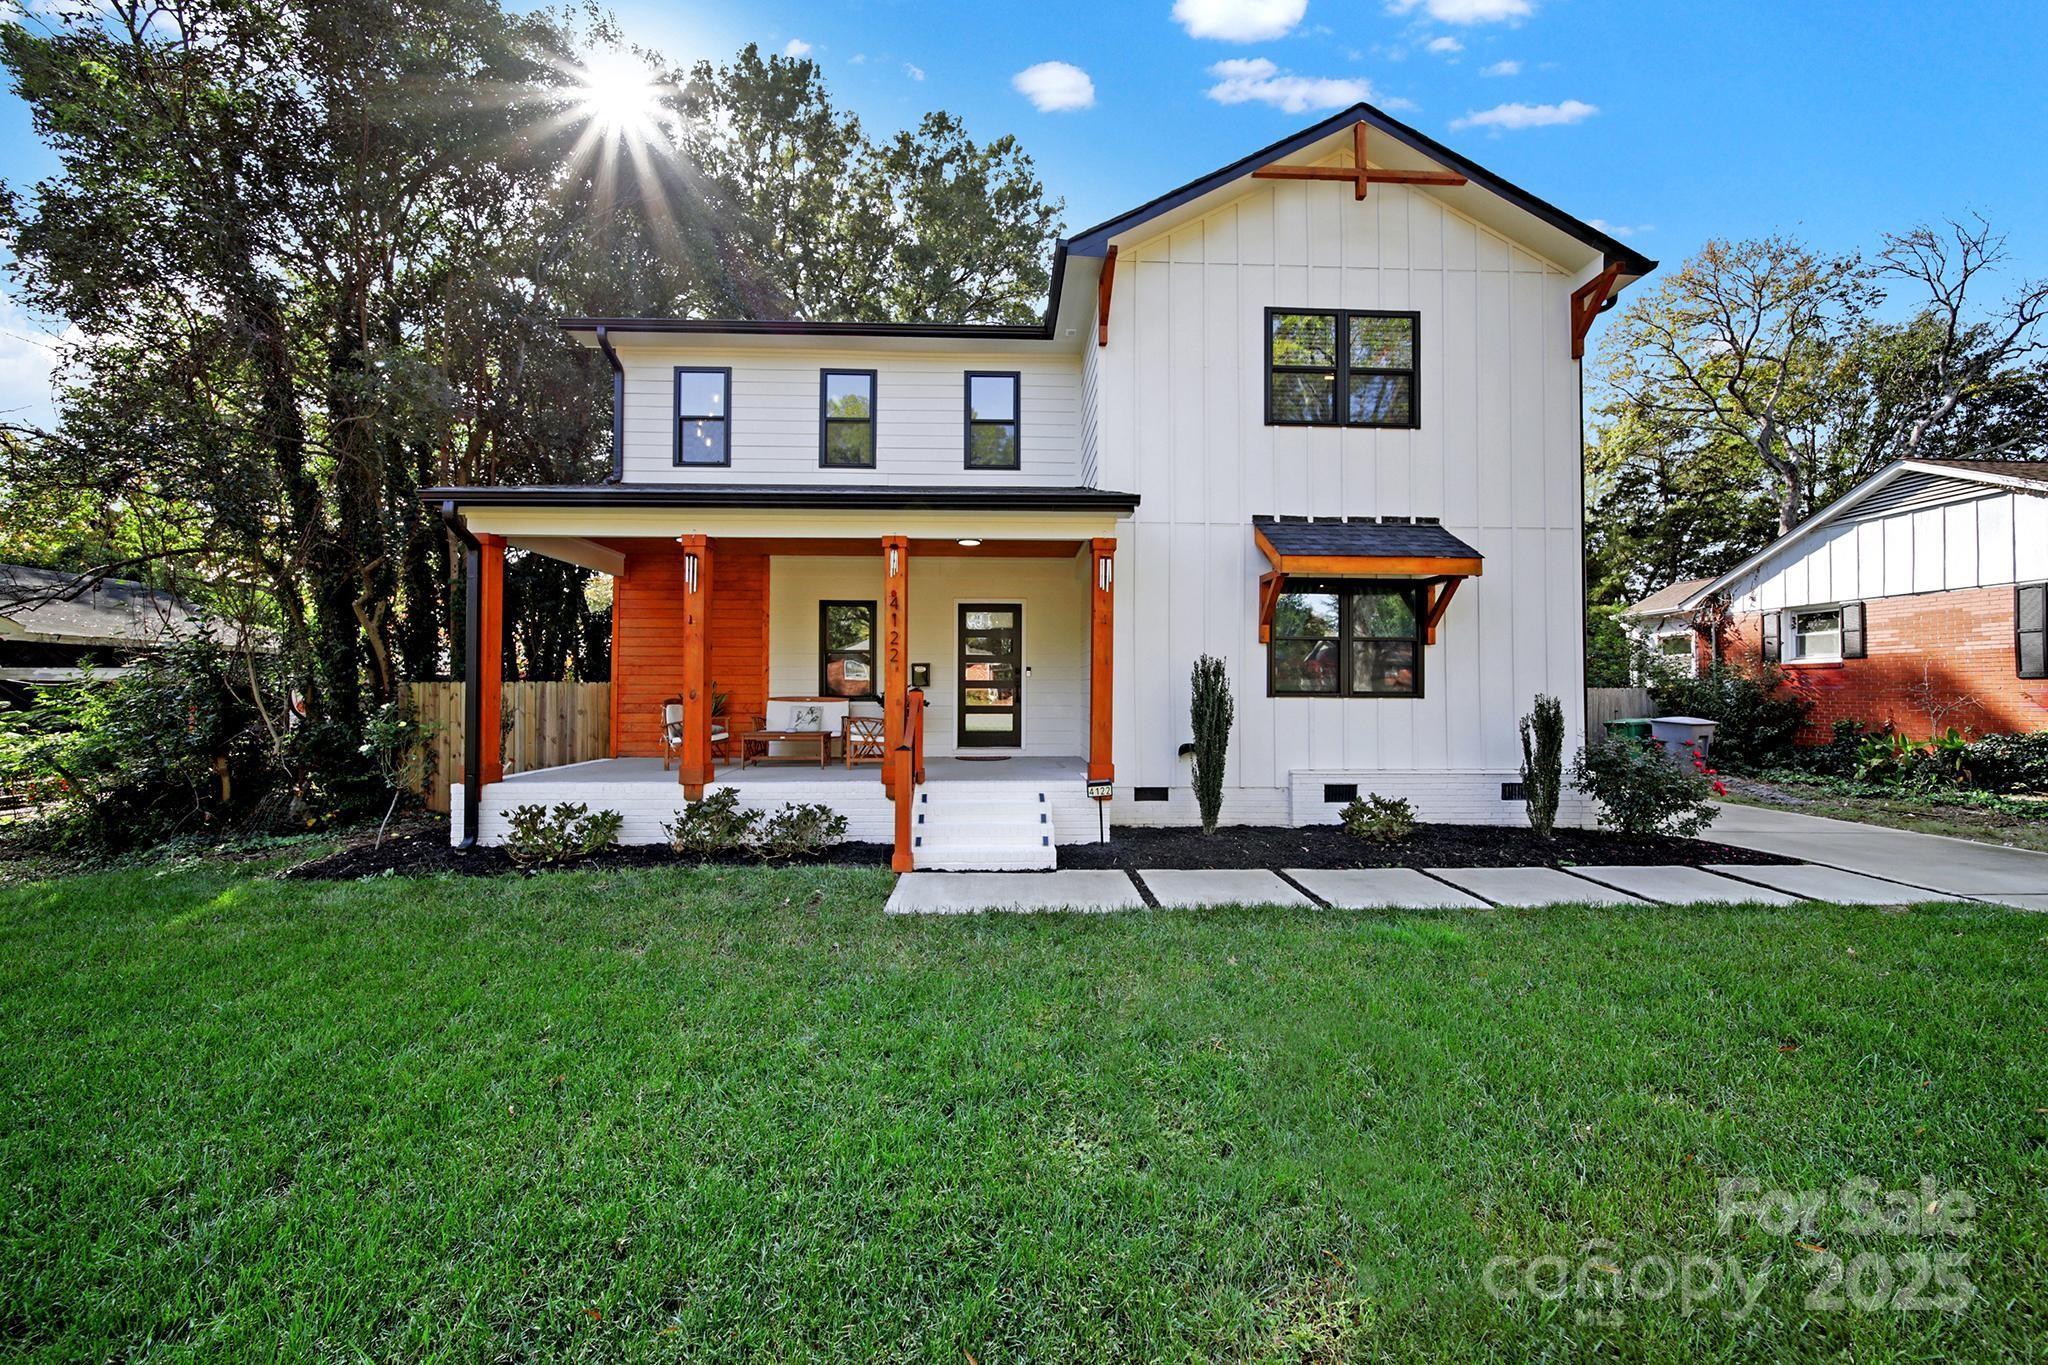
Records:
x=1669, y=121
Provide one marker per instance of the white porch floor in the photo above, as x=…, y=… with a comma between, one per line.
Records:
x=611, y=771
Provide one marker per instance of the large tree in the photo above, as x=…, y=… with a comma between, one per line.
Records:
x=317, y=248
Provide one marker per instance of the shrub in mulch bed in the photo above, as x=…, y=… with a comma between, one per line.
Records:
x=1329, y=846
x=424, y=855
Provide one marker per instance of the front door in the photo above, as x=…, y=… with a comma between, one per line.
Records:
x=991, y=675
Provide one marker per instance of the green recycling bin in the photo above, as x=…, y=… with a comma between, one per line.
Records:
x=1628, y=729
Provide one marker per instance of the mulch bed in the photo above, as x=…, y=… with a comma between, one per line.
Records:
x=1241, y=846
x=426, y=855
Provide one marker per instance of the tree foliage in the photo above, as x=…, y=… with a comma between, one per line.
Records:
x=318, y=250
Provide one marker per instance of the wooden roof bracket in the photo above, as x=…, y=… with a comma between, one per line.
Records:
x=1358, y=173
x=1588, y=301
x=1270, y=587
x=1102, y=287
x=1439, y=598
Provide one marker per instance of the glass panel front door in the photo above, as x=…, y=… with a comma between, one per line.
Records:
x=991, y=675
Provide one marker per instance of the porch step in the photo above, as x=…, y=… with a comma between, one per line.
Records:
x=975, y=827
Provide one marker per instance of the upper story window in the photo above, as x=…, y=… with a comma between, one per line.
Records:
x=993, y=428
x=703, y=416
x=846, y=431
x=1342, y=368
x=1352, y=638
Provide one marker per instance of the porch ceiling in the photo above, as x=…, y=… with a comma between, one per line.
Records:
x=860, y=547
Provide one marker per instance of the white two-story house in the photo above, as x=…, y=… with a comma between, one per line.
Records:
x=1316, y=414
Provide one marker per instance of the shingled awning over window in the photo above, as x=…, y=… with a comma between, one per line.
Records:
x=1363, y=547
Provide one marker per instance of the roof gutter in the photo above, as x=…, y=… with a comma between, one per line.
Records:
x=788, y=496
x=472, y=664
x=611, y=357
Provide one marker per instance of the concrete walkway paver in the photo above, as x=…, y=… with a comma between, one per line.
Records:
x=1674, y=885
x=966, y=893
x=1525, y=886
x=1176, y=889
x=1955, y=868
x=2019, y=902
x=1814, y=882
x=1376, y=888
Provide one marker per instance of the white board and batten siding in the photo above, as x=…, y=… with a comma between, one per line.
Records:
x=920, y=413
x=1979, y=538
x=1181, y=421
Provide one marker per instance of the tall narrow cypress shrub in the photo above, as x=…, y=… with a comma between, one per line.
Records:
x=1543, y=762
x=1211, y=713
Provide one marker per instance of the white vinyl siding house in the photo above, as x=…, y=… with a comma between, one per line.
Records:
x=1159, y=507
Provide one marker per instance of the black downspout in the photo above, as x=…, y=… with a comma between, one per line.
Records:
x=604, y=343
x=472, y=666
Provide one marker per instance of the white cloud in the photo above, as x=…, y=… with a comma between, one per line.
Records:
x=1465, y=11
x=913, y=70
x=28, y=360
x=796, y=47
x=1256, y=80
x=1238, y=21
x=1445, y=46
x=858, y=59
x=1054, y=87
x=1507, y=117
x=1508, y=67
x=1622, y=230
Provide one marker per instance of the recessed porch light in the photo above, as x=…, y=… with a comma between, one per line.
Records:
x=970, y=542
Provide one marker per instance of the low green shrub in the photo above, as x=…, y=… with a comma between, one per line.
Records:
x=1757, y=717
x=570, y=831
x=716, y=824
x=1641, y=790
x=1379, y=819
x=2009, y=763
x=796, y=830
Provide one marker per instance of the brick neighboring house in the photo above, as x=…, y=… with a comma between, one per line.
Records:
x=1917, y=600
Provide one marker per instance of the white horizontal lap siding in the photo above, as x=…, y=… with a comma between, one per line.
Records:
x=1983, y=542
x=1496, y=458
x=920, y=416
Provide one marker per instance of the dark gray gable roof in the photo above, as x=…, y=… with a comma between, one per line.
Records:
x=1363, y=537
x=1095, y=240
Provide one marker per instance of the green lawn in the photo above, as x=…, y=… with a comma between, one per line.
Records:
x=667, y=1115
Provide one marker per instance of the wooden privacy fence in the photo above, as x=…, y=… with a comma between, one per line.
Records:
x=552, y=723
x=1604, y=704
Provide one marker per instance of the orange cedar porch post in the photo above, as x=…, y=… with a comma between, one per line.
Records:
x=695, y=769
x=490, y=664
x=1101, y=657
x=895, y=651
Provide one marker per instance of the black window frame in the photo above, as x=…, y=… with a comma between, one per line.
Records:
x=677, y=417
x=1340, y=410
x=2019, y=653
x=970, y=422
x=1346, y=589
x=826, y=420
x=826, y=654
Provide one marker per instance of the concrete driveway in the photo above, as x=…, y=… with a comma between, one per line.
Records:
x=1961, y=868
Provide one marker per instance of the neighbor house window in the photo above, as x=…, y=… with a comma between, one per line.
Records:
x=2030, y=629
x=992, y=421
x=1816, y=635
x=846, y=403
x=1342, y=369
x=1346, y=639
x=703, y=416
x=846, y=649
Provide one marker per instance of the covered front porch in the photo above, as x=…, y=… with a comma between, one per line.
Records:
x=835, y=668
